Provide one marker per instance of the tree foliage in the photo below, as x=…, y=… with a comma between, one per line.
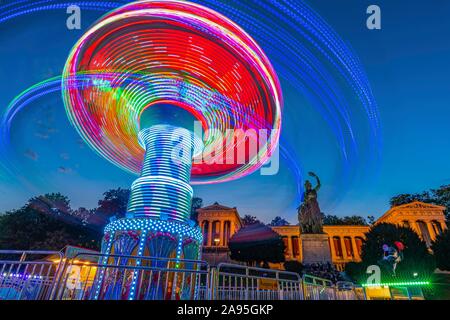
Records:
x=114, y=204
x=279, y=221
x=83, y=215
x=371, y=220
x=440, y=196
x=405, y=198
x=331, y=220
x=197, y=203
x=48, y=222
x=51, y=203
x=248, y=220
x=441, y=250
x=417, y=261
x=45, y=223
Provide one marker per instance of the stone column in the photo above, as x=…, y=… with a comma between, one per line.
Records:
x=332, y=248
x=413, y=226
x=224, y=240
x=420, y=233
x=200, y=223
x=290, y=251
x=355, y=249
x=232, y=227
x=222, y=233
x=219, y=234
x=431, y=231
x=344, y=248
x=228, y=235
x=418, y=230
x=210, y=226
x=443, y=226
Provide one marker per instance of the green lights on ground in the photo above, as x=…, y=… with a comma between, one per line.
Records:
x=397, y=284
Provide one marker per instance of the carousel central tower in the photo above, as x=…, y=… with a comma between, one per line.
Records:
x=163, y=191
x=158, y=222
x=167, y=52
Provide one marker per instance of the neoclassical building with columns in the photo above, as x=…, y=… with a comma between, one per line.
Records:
x=219, y=223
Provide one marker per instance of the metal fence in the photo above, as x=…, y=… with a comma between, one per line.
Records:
x=25, y=276
x=316, y=288
x=119, y=277
x=47, y=275
x=235, y=282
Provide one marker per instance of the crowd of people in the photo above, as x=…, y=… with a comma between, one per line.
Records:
x=323, y=270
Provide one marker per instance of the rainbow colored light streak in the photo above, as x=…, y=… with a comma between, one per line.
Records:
x=190, y=56
x=309, y=57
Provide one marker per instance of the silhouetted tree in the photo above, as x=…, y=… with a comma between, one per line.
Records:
x=441, y=250
x=248, y=220
x=279, y=221
x=35, y=227
x=55, y=203
x=197, y=203
x=354, y=221
x=331, y=220
x=408, y=198
x=440, y=196
x=113, y=205
x=83, y=215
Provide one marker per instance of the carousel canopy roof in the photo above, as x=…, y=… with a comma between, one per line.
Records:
x=255, y=233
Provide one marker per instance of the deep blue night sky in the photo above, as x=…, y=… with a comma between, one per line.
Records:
x=407, y=64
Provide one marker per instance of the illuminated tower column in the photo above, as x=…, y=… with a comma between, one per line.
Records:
x=157, y=223
x=163, y=191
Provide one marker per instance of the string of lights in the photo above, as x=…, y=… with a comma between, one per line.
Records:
x=397, y=284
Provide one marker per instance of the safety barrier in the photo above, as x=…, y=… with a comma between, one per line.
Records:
x=26, y=275
x=235, y=282
x=23, y=276
x=118, y=277
x=316, y=288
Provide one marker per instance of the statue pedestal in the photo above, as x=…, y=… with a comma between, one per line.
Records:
x=315, y=248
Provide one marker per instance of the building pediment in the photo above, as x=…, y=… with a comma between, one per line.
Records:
x=413, y=210
x=217, y=211
x=217, y=207
x=419, y=205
